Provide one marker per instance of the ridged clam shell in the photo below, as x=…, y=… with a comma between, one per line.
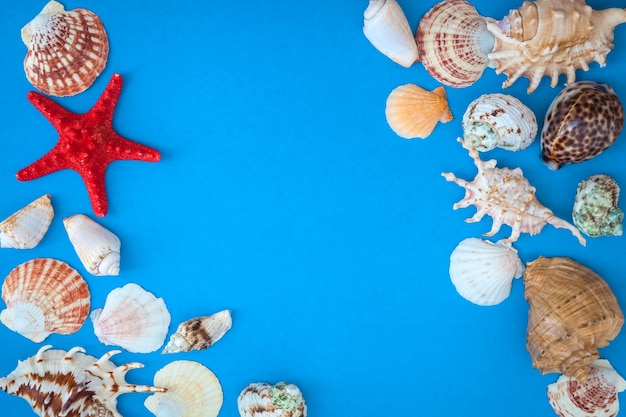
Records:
x=193, y=390
x=133, y=319
x=264, y=400
x=199, y=333
x=25, y=228
x=454, y=43
x=482, y=271
x=595, y=210
x=67, y=50
x=386, y=27
x=413, y=112
x=44, y=296
x=97, y=247
x=499, y=121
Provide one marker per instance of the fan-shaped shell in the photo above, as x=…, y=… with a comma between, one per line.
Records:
x=25, y=228
x=67, y=50
x=482, y=271
x=44, y=296
x=97, y=247
x=388, y=30
x=199, y=333
x=264, y=400
x=413, y=112
x=499, y=121
x=454, y=43
x=583, y=120
x=595, y=209
x=193, y=390
x=573, y=312
x=133, y=319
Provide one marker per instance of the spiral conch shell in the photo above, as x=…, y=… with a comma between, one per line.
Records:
x=25, y=228
x=97, y=247
x=279, y=400
x=573, y=313
x=595, y=210
x=199, y=333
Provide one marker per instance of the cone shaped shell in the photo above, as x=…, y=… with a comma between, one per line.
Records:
x=413, y=112
x=97, y=247
x=595, y=209
x=133, y=319
x=192, y=391
x=278, y=400
x=25, y=228
x=199, y=333
x=67, y=50
x=44, y=296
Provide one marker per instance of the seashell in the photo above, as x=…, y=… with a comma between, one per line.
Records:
x=133, y=319
x=595, y=397
x=413, y=112
x=499, y=121
x=571, y=132
x=97, y=247
x=25, y=228
x=199, y=333
x=388, y=30
x=573, y=312
x=552, y=37
x=192, y=391
x=264, y=400
x=67, y=50
x=59, y=383
x=454, y=43
x=507, y=196
x=482, y=271
x=595, y=210
x=44, y=296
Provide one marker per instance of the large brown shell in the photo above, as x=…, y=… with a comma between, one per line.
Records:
x=573, y=312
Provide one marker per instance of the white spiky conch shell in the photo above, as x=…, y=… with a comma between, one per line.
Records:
x=388, y=30
x=193, y=390
x=261, y=399
x=133, y=319
x=25, y=228
x=97, y=247
x=483, y=271
x=199, y=333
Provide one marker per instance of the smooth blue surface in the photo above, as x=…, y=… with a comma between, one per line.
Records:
x=283, y=195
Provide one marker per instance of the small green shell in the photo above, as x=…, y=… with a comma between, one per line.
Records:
x=595, y=210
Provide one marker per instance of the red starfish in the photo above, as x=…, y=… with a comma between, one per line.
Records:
x=87, y=143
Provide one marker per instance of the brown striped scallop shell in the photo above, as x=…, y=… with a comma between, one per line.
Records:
x=67, y=50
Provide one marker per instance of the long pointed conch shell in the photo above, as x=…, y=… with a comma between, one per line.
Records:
x=25, y=228
x=199, y=333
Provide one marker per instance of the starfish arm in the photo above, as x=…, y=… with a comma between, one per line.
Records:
x=52, y=111
x=96, y=188
x=132, y=151
x=50, y=162
x=105, y=106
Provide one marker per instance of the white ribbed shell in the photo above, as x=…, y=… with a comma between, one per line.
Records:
x=25, y=228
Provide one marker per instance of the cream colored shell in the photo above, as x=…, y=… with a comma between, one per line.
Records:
x=97, y=247
x=25, y=228
x=199, y=333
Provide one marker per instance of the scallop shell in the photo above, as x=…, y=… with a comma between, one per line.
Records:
x=388, y=30
x=552, y=37
x=58, y=383
x=192, y=391
x=413, y=112
x=507, y=196
x=264, y=400
x=97, y=247
x=133, y=319
x=67, y=50
x=499, y=120
x=573, y=312
x=482, y=271
x=25, y=228
x=454, y=43
x=571, y=132
x=595, y=210
x=595, y=397
x=199, y=333
x=44, y=296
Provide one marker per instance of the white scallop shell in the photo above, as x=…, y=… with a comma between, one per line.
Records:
x=192, y=391
x=388, y=30
x=499, y=120
x=264, y=400
x=133, y=319
x=482, y=271
x=199, y=333
x=97, y=247
x=25, y=228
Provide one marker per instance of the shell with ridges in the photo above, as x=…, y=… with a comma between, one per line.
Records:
x=413, y=112
x=499, y=120
x=133, y=319
x=573, y=313
x=264, y=400
x=25, y=228
x=193, y=390
x=44, y=296
x=199, y=333
x=482, y=271
x=388, y=30
x=595, y=210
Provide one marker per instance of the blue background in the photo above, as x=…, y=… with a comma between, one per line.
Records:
x=283, y=195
